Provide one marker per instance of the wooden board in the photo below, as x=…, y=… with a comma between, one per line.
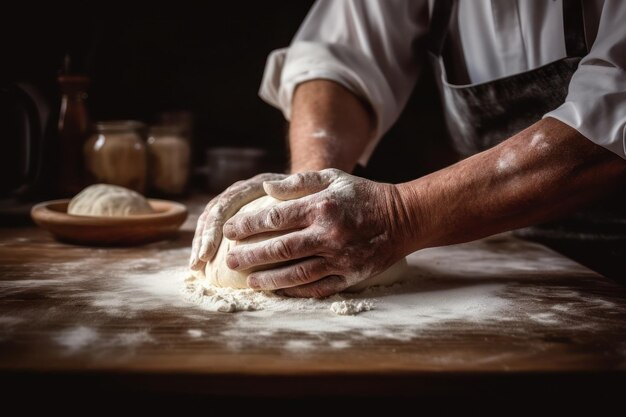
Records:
x=493, y=308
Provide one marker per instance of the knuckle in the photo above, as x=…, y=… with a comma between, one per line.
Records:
x=235, y=185
x=335, y=238
x=262, y=282
x=298, y=180
x=280, y=250
x=219, y=199
x=273, y=283
x=274, y=218
x=301, y=273
x=327, y=207
x=217, y=212
x=242, y=226
x=331, y=172
x=212, y=231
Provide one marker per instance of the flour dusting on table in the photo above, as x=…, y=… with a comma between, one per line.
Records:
x=491, y=287
x=232, y=300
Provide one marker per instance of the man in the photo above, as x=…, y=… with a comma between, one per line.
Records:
x=534, y=96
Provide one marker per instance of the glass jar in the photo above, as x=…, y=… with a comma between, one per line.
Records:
x=116, y=154
x=169, y=160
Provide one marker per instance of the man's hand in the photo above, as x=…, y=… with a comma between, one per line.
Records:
x=209, y=229
x=344, y=229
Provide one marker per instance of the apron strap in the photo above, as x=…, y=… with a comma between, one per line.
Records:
x=573, y=27
x=439, y=23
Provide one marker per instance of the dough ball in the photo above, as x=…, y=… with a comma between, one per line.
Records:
x=219, y=274
x=108, y=200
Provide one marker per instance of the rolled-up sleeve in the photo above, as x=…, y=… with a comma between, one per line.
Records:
x=596, y=99
x=370, y=47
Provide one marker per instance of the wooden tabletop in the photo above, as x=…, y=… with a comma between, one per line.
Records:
x=493, y=313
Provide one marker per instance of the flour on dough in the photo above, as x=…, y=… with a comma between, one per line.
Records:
x=108, y=200
x=217, y=273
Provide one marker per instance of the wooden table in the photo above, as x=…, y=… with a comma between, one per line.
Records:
x=532, y=322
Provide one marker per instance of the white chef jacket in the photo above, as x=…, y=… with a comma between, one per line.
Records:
x=369, y=46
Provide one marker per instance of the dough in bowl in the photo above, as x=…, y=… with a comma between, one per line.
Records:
x=217, y=273
x=108, y=200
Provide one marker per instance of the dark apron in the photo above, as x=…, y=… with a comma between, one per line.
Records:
x=479, y=116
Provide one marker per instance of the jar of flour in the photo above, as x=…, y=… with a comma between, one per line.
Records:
x=116, y=154
x=168, y=160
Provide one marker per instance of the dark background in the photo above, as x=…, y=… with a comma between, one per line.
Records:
x=202, y=58
x=209, y=58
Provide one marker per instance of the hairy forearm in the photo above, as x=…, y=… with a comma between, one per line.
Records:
x=539, y=174
x=329, y=127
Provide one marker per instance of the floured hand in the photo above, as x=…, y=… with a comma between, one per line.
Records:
x=209, y=228
x=344, y=229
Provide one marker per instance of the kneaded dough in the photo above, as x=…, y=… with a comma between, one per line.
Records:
x=108, y=200
x=219, y=274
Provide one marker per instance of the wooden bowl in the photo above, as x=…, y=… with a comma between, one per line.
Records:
x=110, y=231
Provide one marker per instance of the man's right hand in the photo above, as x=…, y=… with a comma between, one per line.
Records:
x=221, y=208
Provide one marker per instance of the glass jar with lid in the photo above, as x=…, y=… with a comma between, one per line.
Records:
x=116, y=154
x=168, y=160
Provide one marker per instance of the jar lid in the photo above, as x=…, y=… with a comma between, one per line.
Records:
x=166, y=130
x=120, y=126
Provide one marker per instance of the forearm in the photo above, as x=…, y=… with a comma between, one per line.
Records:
x=329, y=127
x=539, y=174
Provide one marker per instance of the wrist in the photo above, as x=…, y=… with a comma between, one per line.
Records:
x=405, y=222
x=416, y=222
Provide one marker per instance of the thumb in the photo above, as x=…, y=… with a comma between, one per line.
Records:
x=301, y=184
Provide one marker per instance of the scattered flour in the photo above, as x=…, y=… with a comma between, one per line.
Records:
x=77, y=338
x=351, y=307
x=538, y=142
x=195, y=333
x=490, y=286
x=506, y=162
x=232, y=300
x=321, y=134
x=545, y=318
x=80, y=337
x=299, y=345
x=9, y=321
x=131, y=339
x=340, y=344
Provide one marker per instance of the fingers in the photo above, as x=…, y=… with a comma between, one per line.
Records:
x=283, y=216
x=195, y=263
x=291, y=246
x=210, y=238
x=301, y=184
x=319, y=289
x=304, y=272
x=223, y=207
x=211, y=235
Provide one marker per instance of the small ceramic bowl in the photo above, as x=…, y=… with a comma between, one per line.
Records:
x=110, y=231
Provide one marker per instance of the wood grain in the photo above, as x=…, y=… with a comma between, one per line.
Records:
x=83, y=313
